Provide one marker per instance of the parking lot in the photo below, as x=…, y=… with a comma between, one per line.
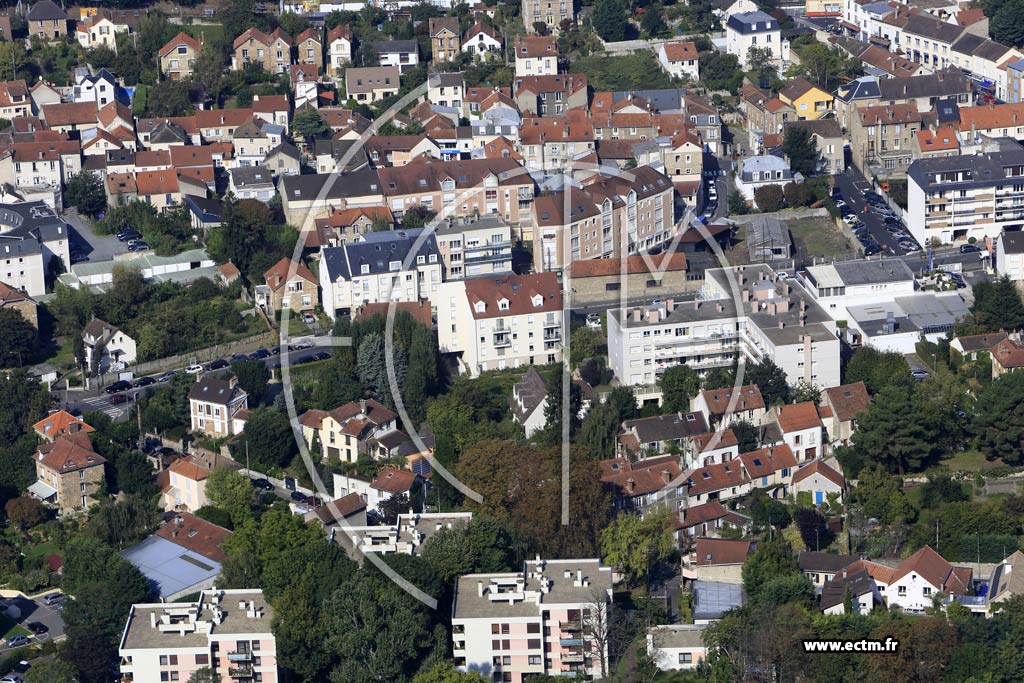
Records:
x=93, y=246
x=37, y=611
x=876, y=234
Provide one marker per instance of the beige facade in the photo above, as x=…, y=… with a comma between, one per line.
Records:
x=548, y=12
x=882, y=138
x=213, y=405
x=186, y=485
x=178, y=57
x=310, y=48
x=68, y=473
x=273, y=52
x=445, y=39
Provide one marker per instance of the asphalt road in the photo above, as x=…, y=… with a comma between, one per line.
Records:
x=35, y=610
x=84, y=239
x=97, y=399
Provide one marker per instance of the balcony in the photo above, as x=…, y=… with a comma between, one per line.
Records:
x=240, y=672
x=239, y=656
x=572, y=658
x=552, y=335
x=570, y=642
x=502, y=340
x=570, y=626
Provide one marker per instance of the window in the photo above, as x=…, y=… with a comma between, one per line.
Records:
x=203, y=659
x=685, y=658
x=902, y=591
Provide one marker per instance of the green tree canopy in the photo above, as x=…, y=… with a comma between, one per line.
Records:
x=770, y=379
x=17, y=339
x=633, y=544
x=309, y=124
x=679, y=384
x=1007, y=25
x=609, y=19
x=769, y=198
x=877, y=369
x=998, y=424
x=84, y=190
x=230, y=490
x=253, y=376
x=169, y=97
x=269, y=437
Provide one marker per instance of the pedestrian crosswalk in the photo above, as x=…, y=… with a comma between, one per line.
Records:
x=102, y=404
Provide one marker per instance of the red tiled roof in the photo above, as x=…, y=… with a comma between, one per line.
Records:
x=717, y=477
x=718, y=400
x=69, y=113
x=190, y=468
x=819, y=467
x=69, y=453
x=393, y=480
x=181, y=38
x=156, y=182
x=633, y=265
x=282, y=271
x=645, y=476
x=520, y=291
x=941, y=140
x=766, y=461
x=715, y=440
x=1009, y=353
x=60, y=422
x=929, y=565
x=677, y=52
x=715, y=551
x=419, y=310
x=797, y=416
x=196, y=534
x=848, y=400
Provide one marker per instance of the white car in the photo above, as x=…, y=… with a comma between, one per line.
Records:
x=851, y=219
x=594, y=321
x=193, y=369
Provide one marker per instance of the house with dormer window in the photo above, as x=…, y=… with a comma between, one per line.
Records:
x=68, y=472
x=508, y=321
x=288, y=285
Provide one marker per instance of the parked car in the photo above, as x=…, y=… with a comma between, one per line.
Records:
x=850, y=219
x=117, y=399
x=118, y=386
x=259, y=354
x=840, y=204
x=594, y=321
x=275, y=350
x=17, y=641
x=262, y=484
x=12, y=678
x=129, y=234
x=298, y=497
x=144, y=381
x=22, y=666
x=969, y=248
x=53, y=599
x=37, y=628
x=139, y=246
x=306, y=343
x=308, y=318
x=919, y=373
x=166, y=377
x=193, y=369
x=239, y=357
x=218, y=364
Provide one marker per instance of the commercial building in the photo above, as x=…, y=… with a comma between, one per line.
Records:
x=836, y=286
x=763, y=318
x=551, y=618
x=228, y=631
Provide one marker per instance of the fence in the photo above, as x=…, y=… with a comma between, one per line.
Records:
x=247, y=345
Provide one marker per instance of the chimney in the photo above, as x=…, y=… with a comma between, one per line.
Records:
x=719, y=307
x=782, y=325
x=630, y=485
x=362, y=406
x=666, y=476
x=636, y=315
x=480, y=589
x=152, y=619
x=233, y=381
x=696, y=304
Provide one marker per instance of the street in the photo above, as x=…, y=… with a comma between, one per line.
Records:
x=96, y=399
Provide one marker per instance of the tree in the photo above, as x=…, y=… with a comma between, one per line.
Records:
x=122, y=522
x=632, y=544
x=738, y=206
x=17, y=339
x=84, y=190
x=771, y=559
x=1007, y=25
x=805, y=391
x=890, y=433
x=554, y=409
x=748, y=437
x=209, y=71
x=679, y=384
x=814, y=531
x=372, y=369
x=797, y=194
x=800, y=148
x=253, y=376
x=770, y=379
x=292, y=23
x=586, y=342
x=203, y=675
x=720, y=71
x=653, y=21
x=997, y=306
x=769, y=198
x=269, y=438
x=25, y=512
x=421, y=371
x=609, y=20
x=444, y=672
x=232, y=491
x=309, y=124
x=51, y=671
x=877, y=369
x=759, y=59
x=998, y=424
x=169, y=98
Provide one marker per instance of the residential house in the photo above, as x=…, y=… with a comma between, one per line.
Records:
x=942, y=142
x=344, y=225
x=185, y=488
x=529, y=401
x=759, y=171
x=550, y=95
x=927, y=40
x=402, y=54
x=678, y=647
x=551, y=13
x=47, y=21
x=644, y=485
x=288, y=285
x=680, y=60
x=858, y=587
x=60, y=423
x=68, y=473
x=744, y=30
x=764, y=114
x=372, y=83
x=809, y=101
x=226, y=631
x=722, y=407
x=445, y=39
x=1004, y=582
x=337, y=516
x=339, y=47
x=251, y=182
x=101, y=29
x=718, y=560
x=770, y=468
x=918, y=579
x=214, y=403
x=106, y=347
x=647, y=436
x=881, y=138
x=165, y=189
x=822, y=567
x=1009, y=255
x=554, y=612
x=69, y=117
x=501, y=322
x=535, y=55
x=307, y=197
x=310, y=48
x=345, y=432
x=1007, y=356
x=18, y=300
x=820, y=481
x=178, y=56
x=483, y=42
x=15, y=100
x=830, y=141
x=844, y=404
x=34, y=241
x=285, y=159
x=380, y=267
x=722, y=481
x=801, y=428
x=712, y=448
x=403, y=486
x=554, y=142
x=707, y=520
x=970, y=347
x=273, y=52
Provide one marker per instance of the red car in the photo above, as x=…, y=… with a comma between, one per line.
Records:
x=120, y=398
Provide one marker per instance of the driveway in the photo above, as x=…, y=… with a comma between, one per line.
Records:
x=85, y=239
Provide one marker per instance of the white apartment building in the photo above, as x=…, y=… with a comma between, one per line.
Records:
x=835, y=286
x=541, y=620
x=501, y=322
x=745, y=30
x=401, y=265
x=951, y=199
x=471, y=247
x=536, y=55
x=227, y=631
x=31, y=237
x=407, y=536
x=765, y=319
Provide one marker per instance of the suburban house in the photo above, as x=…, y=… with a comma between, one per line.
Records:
x=677, y=647
x=1009, y=255
x=550, y=611
x=857, y=583
x=391, y=482
x=718, y=560
x=483, y=41
x=401, y=54
x=179, y=55
x=845, y=402
x=721, y=407
x=647, y=436
x=535, y=55
x=707, y=520
x=822, y=567
x=68, y=473
x=60, y=423
x=17, y=299
x=251, y=182
x=758, y=171
x=288, y=285
x=808, y=100
x=185, y=487
x=551, y=13
x=800, y=425
x=643, y=485
x=106, y=347
x=47, y=21
x=214, y=403
x=369, y=84
x=680, y=60
x=272, y=52
x=918, y=579
x=345, y=432
x=1007, y=356
x=310, y=48
x=445, y=38
x=744, y=30
x=529, y=401
x=820, y=481
x=969, y=346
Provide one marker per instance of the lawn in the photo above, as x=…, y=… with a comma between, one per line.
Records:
x=637, y=71
x=968, y=461
x=210, y=32
x=817, y=236
x=38, y=552
x=8, y=628
x=296, y=328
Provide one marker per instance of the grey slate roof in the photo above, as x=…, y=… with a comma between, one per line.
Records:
x=46, y=10
x=32, y=222
x=873, y=272
x=930, y=27
x=359, y=183
x=389, y=46
x=251, y=176
x=531, y=390
x=377, y=250
x=863, y=88
x=1013, y=242
x=834, y=592
x=747, y=23
x=666, y=101
x=947, y=111
x=941, y=84
x=811, y=561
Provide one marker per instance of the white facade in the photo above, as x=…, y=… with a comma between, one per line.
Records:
x=1009, y=256
x=838, y=286
x=408, y=284
x=679, y=647
x=745, y=30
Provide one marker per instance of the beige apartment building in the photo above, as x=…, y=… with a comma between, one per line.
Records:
x=214, y=403
x=501, y=322
x=535, y=55
x=310, y=48
x=445, y=39
x=68, y=473
x=474, y=246
x=548, y=12
x=882, y=138
x=343, y=433
x=273, y=52
x=553, y=142
x=179, y=55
